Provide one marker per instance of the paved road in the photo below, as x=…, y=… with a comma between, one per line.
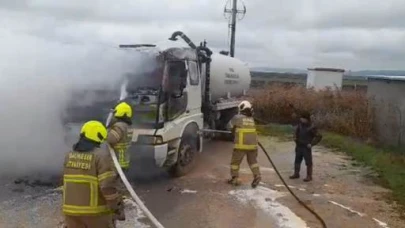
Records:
x=202, y=199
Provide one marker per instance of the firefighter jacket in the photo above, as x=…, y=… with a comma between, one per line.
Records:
x=89, y=183
x=120, y=138
x=245, y=132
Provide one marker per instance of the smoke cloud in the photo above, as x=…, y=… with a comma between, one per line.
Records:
x=37, y=81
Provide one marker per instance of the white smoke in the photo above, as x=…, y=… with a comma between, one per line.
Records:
x=37, y=77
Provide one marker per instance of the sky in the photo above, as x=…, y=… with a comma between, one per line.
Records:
x=355, y=34
x=49, y=49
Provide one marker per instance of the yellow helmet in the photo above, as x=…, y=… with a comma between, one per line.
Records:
x=123, y=109
x=94, y=131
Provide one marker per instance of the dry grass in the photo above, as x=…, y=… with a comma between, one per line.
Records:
x=342, y=112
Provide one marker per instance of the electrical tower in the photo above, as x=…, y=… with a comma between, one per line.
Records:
x=231, y=13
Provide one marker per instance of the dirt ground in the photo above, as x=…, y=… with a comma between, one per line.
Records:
x=342, y=193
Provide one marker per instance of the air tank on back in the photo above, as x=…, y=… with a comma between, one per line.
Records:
x=228, y=77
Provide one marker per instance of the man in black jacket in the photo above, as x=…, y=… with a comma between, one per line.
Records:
x=306, y=136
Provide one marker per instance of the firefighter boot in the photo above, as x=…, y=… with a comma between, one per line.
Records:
x=120, y=212
x=296, y=174
x=256, y=181
x=234, y=181
x=309, y=174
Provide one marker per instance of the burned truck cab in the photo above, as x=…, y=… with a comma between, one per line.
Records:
x=167, y=111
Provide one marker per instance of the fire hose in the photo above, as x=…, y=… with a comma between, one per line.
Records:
x=292, y=193
x=318, y=217
x=131, y=191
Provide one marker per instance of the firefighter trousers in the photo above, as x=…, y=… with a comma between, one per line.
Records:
x=101, y=221
x=237, y=157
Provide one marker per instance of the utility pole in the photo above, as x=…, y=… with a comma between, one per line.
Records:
x=233, y=26
x=233, y=12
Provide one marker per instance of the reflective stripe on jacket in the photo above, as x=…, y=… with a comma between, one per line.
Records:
x=120, y=138
x=89, y=184
x=245, y=133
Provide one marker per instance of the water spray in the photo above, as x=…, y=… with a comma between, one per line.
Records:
x=123, y=95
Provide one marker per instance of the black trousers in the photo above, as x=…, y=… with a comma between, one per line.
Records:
x=303, y=153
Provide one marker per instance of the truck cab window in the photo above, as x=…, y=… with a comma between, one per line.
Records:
x=177, y=81
x=193, y=72
x=177, y=76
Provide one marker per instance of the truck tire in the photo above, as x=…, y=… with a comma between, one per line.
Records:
x=186, y=157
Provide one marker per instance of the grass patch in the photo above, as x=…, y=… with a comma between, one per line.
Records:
x=283, y=132
x=390, y=165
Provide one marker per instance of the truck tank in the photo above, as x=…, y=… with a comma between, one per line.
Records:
x=228, y=75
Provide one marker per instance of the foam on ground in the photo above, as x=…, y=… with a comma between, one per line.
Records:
x=133, y=214
x=382, y=224
x=188, y=191
x=265, y=199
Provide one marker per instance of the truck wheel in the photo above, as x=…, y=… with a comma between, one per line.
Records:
x=186, y=157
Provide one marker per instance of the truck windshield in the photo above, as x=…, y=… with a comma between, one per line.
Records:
x=158, y=95
x=143, y=93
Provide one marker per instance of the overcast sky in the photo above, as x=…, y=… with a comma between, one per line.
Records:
x=353, y=34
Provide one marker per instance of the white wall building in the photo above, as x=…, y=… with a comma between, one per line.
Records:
x=321, y=78
x=386, y=94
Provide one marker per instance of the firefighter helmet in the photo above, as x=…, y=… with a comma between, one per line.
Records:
x=123, y=109
x=244, y=105
x=94, y=131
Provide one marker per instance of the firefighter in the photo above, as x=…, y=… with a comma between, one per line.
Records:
x=306, y=136
x=120, y=134
x=245, y=143
x=90, y=197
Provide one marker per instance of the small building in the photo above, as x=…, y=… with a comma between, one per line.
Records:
x=387, y=98
x=322, y=78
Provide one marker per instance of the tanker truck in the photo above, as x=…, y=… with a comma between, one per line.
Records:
x=187, y=91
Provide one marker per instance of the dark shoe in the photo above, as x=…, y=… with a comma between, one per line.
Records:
x=256, y=181
x=234, y=181
x=308, y=179
x=296, y=174
x=309, y=174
